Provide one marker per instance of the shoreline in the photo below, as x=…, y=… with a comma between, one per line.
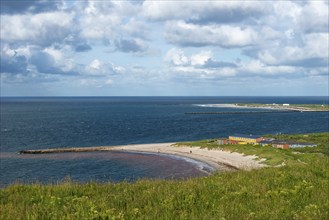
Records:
x=218, y=159
x=292, y=108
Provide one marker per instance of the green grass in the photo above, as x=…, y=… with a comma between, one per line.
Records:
x=272, y=155
x=321, y=139
x=315, y=107
x=295, y=191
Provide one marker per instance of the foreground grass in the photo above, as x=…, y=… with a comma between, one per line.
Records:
x=295, y=191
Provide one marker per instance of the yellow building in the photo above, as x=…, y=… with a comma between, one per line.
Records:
x=244, y=139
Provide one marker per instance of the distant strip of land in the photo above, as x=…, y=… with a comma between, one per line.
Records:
x=218, y=159
x=292, y=107
x=274, y=106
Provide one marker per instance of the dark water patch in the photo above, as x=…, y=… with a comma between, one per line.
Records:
x=99, y=166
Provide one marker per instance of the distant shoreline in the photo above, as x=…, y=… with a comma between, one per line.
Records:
x=281, y=107
x=218, y=159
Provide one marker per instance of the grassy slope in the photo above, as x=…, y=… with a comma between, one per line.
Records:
x=296, y=191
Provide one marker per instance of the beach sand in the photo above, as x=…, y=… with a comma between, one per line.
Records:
x=218, y=159
x=215, y=158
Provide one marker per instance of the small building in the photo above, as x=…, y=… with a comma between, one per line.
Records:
x=280, y=144
x=265, y=142
x=245, y=139
x=222, y=141
x=286, y=104
x=299, y=144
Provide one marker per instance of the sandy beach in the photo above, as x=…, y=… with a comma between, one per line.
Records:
x=218, y=159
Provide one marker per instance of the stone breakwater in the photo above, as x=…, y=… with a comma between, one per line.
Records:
x=65, y=150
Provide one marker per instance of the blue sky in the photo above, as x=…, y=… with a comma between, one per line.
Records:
x=128, y=48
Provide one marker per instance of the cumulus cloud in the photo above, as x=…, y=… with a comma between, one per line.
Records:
x=199, y=65
x=53, y=61
x=77, y=43
x=39, y=29
x=99, y=68
x=130, y=45
x=209, y=40
x=186, y=34
x=205, y=11
x=105, y=19
x=113, y=23
x=313, y=52
x=177, y=57
x=256, y=67
x=201, y=58
x=314, y=17
x=11, y=61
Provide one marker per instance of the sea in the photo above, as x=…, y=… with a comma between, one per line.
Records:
x=57, y=122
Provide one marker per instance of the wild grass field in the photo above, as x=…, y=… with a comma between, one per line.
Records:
x=297, y=190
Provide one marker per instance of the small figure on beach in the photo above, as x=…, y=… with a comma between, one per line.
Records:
x=190, y=151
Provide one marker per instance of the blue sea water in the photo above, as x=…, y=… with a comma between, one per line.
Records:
x=51, y=122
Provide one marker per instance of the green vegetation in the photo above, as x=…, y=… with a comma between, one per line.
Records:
x=298, y=190
x=309, y=107
x=321, y=139
x=272, y=155
x=312, y=107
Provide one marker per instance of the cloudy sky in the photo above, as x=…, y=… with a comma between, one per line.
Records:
x=113, y=48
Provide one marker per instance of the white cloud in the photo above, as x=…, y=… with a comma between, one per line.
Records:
x=98, y=27
x=100, y=68
x=316, y=45
x=62, y=58
x=312, y=52
x=130, y=45
x=176, y=56
x=205, y=11
x=201, y=58
x=107, y=19
x=257, y=67
x=137, y=28
x=185, y=34
x=284, y=13
x=192, y=72
x=39, y=29
x=200, y=65
x=95, y=65
x=7, y=51
x=56, y=54
x=278, y=39
x=314, y=17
